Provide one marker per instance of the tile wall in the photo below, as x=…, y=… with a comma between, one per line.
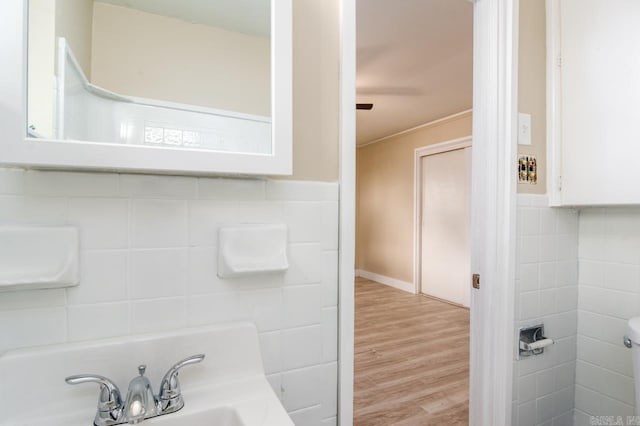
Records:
x=148, y=263
x=609, y=278
x=546, y=292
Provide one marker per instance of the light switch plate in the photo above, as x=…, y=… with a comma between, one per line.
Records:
x=524, y=129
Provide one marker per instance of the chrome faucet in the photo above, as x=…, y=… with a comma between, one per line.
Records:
x=141, y=403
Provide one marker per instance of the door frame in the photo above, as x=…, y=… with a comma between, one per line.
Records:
x=493, y=223
x=419, y=153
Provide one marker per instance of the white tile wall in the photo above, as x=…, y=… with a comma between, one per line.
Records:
x=148, y=263
x=546, y=292
x=609, y=277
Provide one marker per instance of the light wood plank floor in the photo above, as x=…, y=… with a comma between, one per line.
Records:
x=411, y=359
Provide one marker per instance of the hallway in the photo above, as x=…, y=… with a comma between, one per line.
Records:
x=411, y=359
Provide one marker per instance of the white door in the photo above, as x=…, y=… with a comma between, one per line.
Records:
x=445, y=234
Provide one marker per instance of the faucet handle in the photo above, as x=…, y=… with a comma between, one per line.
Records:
x=110, y=397
x=169, y=393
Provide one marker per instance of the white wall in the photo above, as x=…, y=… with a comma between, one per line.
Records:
x=546, y=292
x=148, y=263
x=609, y=295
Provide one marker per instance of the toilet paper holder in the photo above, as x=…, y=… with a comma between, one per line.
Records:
x=532, y=341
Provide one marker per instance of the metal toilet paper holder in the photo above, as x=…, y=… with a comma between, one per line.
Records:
x=532, y=341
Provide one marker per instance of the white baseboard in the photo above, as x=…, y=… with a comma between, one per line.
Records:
x=391, y=282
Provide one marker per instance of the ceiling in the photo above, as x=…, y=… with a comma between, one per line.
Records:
x=251, y=17
x=415, y=61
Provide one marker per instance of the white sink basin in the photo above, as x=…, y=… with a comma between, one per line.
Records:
x=227, y=389
x=221, y=416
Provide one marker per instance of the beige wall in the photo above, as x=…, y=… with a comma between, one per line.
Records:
x=316, y=86
x=152, y=56
x=532, y=86
x=74, y=21
x=48, y=20
x=385, y=181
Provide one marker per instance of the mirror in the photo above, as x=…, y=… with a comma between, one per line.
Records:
x=168, y=74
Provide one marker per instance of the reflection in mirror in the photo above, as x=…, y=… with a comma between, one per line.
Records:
x=188, y=74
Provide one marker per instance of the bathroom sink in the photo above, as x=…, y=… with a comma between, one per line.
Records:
x=222, y=416
x=228, y=388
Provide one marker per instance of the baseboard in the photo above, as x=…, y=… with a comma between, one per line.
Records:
x=391, y=282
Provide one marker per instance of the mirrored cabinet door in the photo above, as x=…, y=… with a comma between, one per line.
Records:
x=196, y=86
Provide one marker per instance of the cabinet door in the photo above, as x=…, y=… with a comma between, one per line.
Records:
x=599, y=100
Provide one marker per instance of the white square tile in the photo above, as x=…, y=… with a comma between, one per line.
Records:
x=302, y=388
x=549, y=248
x=302, y=305
x=301, y=191
x=527, y=414
x=102, y=222
x=11, y=181
x=544, y=408
x=302, y=347
x=304, y=264
x=527, y=388
x=333, y=421
x=528, y=277
x=271, y=348
x=103, y=277
x=32, y=299
x=206, y=217
x=207, y=309
x=45, y=210
x=73, y=184
x=158, y=223
x=528, y=221
x=157, y=273
x=528, y=249
x=565, y=419
x=566, y=299
x=330, y=390
x=548, y=222
x=330, y=334
x=547, y=275
x=307, y=416
x=622, y=276
x=329, y=278
x=266, y=307
x=547, y=302
x=202, y=271
x=231, y=189
x=304, y=220
x=529, y=306
x=330, y=225
x=158, y=315
x=545, y=383
x=154, y=186
x=32, y=327
x=87, y=322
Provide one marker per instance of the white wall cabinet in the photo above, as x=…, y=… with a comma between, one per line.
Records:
x=593, y=101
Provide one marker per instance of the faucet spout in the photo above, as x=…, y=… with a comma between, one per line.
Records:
x=140, y=403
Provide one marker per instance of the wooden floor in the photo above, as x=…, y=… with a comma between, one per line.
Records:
x=411, y=359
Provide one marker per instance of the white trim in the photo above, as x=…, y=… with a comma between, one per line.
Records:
x=17, y=149
x=347, y=241
x=421, y=126
x=391, y=282
x=554, y=81
x=493, y=222
x=424, y=151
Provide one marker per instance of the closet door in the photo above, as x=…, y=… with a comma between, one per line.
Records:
x=446, y=203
